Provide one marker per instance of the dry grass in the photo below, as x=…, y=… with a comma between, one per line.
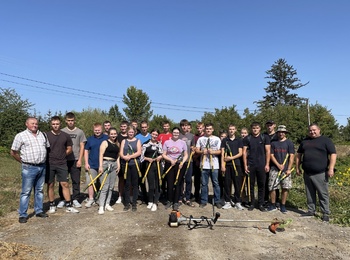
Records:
x=19, y=251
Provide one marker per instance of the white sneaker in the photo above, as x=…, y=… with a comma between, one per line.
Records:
x=150, y=204
x=108, y=207
x=71, y=210
x=89, y=203
x=101, y=211
x=52, y=209
x=61, y=204
x=227, y=205
x=119, y=200
x=154, y=207
x=239, y=206
x=76, y=204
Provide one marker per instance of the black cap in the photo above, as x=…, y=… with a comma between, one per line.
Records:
x=270, y=122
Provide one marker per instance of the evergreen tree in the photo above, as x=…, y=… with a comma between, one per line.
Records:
x=13, y=114
x=282, y=80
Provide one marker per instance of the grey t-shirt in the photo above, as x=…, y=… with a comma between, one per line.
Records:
x=77, y=135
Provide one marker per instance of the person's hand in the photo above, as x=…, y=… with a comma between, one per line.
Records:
x=331, y=173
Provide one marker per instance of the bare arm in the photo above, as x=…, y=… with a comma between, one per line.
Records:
x=103, y=147
x=86, y=160
x=332, y=160
x=15, y=154
x=81, y=154
x=298, y=163
x=245, y=160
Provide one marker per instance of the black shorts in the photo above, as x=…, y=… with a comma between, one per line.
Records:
x=58, y=171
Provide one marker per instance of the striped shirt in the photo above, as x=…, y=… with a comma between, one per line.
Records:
x=31, y=147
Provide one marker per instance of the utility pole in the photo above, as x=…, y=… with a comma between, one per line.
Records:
x=308, y=111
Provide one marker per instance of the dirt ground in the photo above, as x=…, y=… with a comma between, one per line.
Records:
x=147, y=235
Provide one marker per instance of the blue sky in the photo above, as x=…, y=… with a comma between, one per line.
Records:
x=188, y=56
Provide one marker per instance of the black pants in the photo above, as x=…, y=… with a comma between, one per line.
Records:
x=197, y=180
x=257, y=173
x=131, y=181
x=153, y=184
x=231, y=176
x=174, y=191
x=75, y=173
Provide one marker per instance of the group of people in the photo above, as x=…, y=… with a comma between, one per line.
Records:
x=174, y=165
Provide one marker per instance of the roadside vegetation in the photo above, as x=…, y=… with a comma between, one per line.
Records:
x=339, y=190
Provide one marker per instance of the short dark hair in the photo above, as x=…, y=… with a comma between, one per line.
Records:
x=55, y=118
x=255, y=124
x=70, y=115
x=184, y=122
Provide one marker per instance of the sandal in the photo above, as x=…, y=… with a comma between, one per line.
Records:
x=190, y=204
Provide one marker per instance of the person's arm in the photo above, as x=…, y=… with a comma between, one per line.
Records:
x=184, y=158
x=103, y=147
x=298, y=163
x=16, y=156
x=290, y=163
x=245, y=159
x=118, y=165
x=223, y=164
x=121, y=152
x=81, y=154
x=69, y=150
x=332, y=160
x=86, y=159
x=138, y=152
x=267, y=157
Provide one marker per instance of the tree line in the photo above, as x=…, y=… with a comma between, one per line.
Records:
x=281, y=104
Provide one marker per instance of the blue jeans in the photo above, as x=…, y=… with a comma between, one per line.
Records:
x=215, y=181
x=32, y=176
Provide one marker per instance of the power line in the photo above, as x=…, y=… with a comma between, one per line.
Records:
x=98, y=98
x=101, y=94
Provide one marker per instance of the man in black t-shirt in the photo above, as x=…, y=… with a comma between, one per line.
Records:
x=317, y=155
x=256, y=162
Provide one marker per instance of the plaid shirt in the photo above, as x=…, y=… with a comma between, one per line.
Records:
x=32, y=147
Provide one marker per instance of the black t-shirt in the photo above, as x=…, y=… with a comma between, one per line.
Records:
x=234, y=145
x=256, y=147
x=315, y=154
x=58, y=147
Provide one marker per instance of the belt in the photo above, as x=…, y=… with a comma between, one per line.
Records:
x=109, y=160
x=33, y=164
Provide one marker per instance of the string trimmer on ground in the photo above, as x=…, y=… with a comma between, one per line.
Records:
x=176, y=219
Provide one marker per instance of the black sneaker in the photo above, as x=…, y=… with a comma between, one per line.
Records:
x=308, y=214
x=41, y=215
x=203, y=205
x=22, y=220
x=126, y=207
x=218, y=205
x=168, y=205
x=262, y=208
x=134, y=208
x=325, y=218
x=251, y=207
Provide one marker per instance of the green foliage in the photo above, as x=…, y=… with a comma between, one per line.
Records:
x=282, y=80
x=87, y=118
x=115, y=115
x=138, y=106
x=13, y=114
x=157, y=122
x=222, y=118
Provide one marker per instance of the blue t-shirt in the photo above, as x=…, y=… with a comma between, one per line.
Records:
x=93, y=146
x=143, y=138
